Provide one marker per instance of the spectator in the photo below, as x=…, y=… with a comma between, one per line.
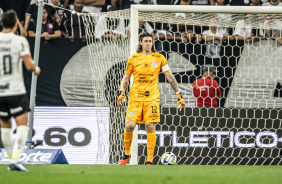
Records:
x=183, y=33
x=177, y=32
x=160, y=30
x=198, y=2
x=244, y=31
x=110, y=28
x=272, y=3
x=49, y=30
x=91, y=6
x=32, y=10
x=213, y=37
x=206, y=89
x=59, y=11
x=144, y=26
x=72, y=26
x=19, y=6
x=239, y=2
x=20, y=31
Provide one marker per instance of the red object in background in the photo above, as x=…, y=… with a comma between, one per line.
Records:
x=206, y=91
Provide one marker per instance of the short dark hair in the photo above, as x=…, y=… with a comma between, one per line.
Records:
x=9, y=19
x=143, y=35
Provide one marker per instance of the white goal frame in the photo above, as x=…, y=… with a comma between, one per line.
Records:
x=135, y=9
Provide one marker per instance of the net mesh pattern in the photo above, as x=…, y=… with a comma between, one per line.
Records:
x=244, y=129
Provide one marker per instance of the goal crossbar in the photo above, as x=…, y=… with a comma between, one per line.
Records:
x=207, y=9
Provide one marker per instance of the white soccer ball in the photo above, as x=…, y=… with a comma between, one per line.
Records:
x=168, y=158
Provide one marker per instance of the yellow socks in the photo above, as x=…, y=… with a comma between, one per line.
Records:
x=127, y=141
x=151, y=143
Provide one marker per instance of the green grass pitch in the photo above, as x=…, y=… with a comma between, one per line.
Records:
x=156, y=174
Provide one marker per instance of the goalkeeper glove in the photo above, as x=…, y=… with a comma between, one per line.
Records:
x=180, y=102
x=121, y=98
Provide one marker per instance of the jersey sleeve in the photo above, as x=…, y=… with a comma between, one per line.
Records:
x=129, y=67
x=31, y=26
x=164, y=65
x=56, y=27
x=29, y=9
x=24, y=47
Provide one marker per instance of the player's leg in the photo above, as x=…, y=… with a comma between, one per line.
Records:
x=19, y=107
x=6, y=131
x=21, y=137
x=133, y=117
x=6, y=136
x=128, y=135
x=151, y=118
x=151, y=141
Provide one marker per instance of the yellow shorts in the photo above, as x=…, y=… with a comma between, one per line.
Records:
x=142, y=110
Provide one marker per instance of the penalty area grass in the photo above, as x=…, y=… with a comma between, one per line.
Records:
x=141, y=174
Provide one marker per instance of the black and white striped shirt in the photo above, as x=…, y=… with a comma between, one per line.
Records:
x=72, y=25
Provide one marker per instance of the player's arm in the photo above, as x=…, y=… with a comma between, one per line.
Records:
x=57, y=17
x=211, y=38
x=124, y=82
x=30, y=65
x=123, y=86
x=171, y=79
x=22, y=29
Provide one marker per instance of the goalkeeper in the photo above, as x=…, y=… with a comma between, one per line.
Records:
x=144, y=96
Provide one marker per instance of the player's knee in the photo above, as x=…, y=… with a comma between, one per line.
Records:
x=129, y=128
x=150, y=127
x=129, y=125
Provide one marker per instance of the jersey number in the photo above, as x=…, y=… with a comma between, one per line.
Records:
x=7, y=64
x=154, y=109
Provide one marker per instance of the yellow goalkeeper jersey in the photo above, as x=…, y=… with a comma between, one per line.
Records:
x=145, y=70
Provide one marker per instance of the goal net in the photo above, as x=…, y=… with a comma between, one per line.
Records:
x=244, y=45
